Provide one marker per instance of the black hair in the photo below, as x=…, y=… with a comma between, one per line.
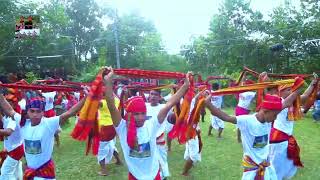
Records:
x=215, y=86
x=156, y=90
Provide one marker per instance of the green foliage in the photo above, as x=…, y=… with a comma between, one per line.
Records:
x=241, y=37
x=31, y=76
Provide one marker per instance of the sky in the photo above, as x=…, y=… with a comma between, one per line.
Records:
x=179, y=20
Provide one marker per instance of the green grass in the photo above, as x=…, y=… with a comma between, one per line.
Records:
x=221, y=159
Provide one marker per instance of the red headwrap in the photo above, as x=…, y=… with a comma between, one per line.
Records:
x=271, y=102
x=133, y=105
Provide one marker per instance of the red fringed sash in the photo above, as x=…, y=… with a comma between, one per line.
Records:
x=281, y=76
x=41, y=87
x=150, y=74
x=312, y=98
x=251, y=87
x=87, y=126
x=294, y=112
x=180, y=127
x=45, y=171
x=16, y=154
x=194, y=118
x=249, y=165
x=293, y=151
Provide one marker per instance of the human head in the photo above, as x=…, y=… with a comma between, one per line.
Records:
x=136, y=107
x=135, y=117
x=35, y=109
x=30, y=18
x=270, y=107
x=215, y=86
x=154, y=97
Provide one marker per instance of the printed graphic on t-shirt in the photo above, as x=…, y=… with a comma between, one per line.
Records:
x=50, y=100
x=260, y=141
x=33, y=146
x=142, y=151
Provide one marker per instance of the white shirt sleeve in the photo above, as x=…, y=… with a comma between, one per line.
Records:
x=241, y=122
x=11, y=124
x=53, y=123
x=121, y=127
x=17, y=117
x=156, y=126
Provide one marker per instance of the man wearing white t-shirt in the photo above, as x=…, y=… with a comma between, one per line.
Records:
x=283, y=158
x=49, y=100
x=49, y=110
x=37, y=133
x=255, y=131
x=153, y=109
x=243, y=107
x=192, y=153
x=216, y=123
x=11, y=168
x=138, y=135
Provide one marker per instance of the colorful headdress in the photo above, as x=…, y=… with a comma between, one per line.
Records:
x=133, y=105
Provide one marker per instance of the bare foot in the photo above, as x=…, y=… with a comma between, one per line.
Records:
x=100, y=173
x=185, y=174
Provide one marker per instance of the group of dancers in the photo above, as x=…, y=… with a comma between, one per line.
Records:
x=144, y=127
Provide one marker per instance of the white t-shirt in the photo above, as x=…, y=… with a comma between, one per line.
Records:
x=49, y=96
x=77, y=95
x=152, y=113
x=38, y=140
x=255, y=137
x=245, y=99
x=119, y=90
x=143, y=162
x=14, y=140
x=282, y=123
x=22, y=103
x=217, y=101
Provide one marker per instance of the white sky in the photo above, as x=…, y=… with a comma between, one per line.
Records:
x=179, y=20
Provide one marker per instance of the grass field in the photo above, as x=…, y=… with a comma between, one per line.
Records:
x=221, y=159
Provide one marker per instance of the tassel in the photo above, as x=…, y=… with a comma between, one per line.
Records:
x=312, y=98
x=87, y=125
x=132, y=131
x=294, y=113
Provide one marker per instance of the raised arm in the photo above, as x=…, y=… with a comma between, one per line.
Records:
x=309, y=90
x=7, y=108
x=72, y=111
x=217, y=112
x=115, y=113
x=288, y=101
x=174, y=99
